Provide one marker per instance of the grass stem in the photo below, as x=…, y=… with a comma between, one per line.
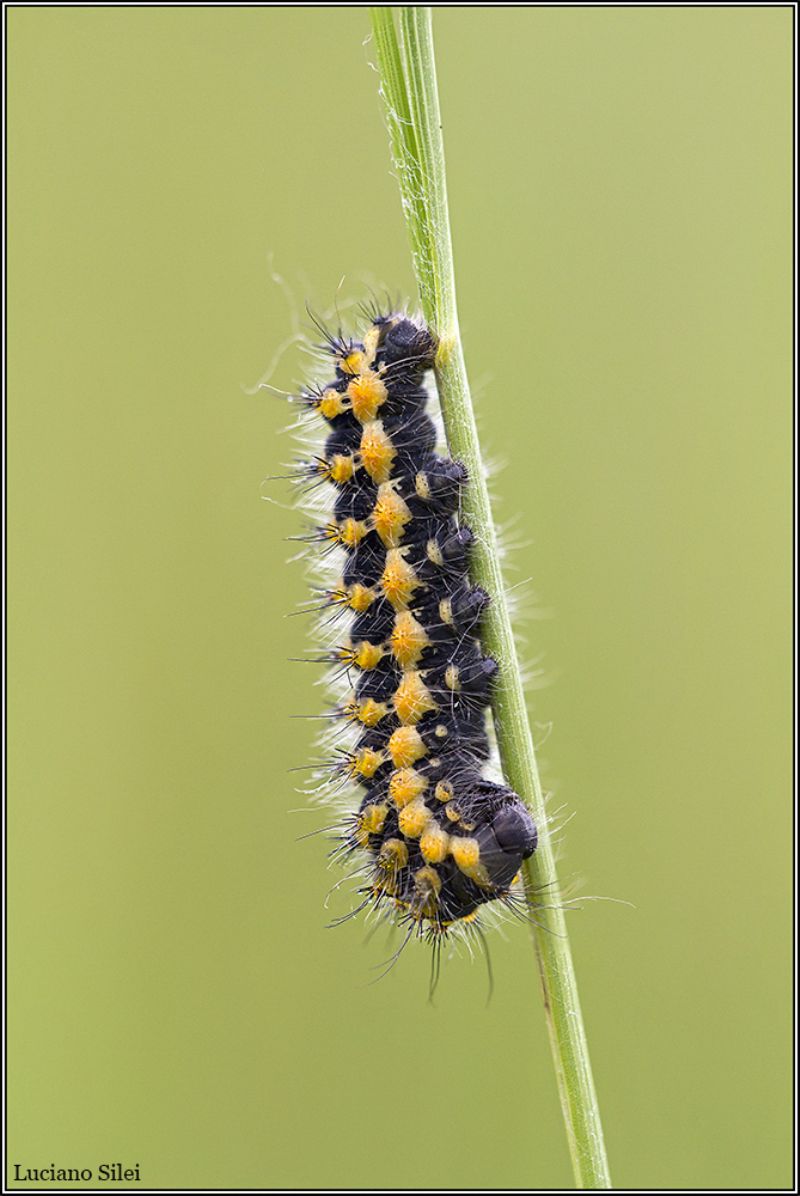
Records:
x=409, y=89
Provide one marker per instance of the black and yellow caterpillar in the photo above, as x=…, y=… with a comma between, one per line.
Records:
x=437, y=837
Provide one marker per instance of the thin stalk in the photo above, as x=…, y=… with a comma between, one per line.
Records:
x=408, y=85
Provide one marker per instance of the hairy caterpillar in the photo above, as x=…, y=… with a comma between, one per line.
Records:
x=437, y=839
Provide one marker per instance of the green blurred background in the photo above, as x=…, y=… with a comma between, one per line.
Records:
x=620, y=193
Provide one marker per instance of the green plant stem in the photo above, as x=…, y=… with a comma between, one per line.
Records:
x=408, y=85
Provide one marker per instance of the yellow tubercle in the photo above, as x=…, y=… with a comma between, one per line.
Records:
x=366, y=393
x=434, y=553
x=413, y=819
x=369, y=712
x=465, y=852
x=353, y=362
x=406, y=747
x=340, y=468
x=434, y=843
x=444, y=791
x=390, y=515
x=421, y=485
x=371, y=340
x=428, y=884
x=398, y=580
x=351, y=532
x=377, y=451
x=452, y=679
x=332, y=404
x=365, y=763
x=371, y=820
x=405, y=786
x=408, y=640
x=367, y=656
x=467, y=856
x=359, y=598
x=393, y=855
x=412, y=698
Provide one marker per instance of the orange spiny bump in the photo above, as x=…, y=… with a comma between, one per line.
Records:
x=390, y=516
x=434, y=843
x=412, y=698
x=398, y=580
x=339, y=469
x=406, y=746
x=444, y=791
x=367, y=394
x=359, y=598
x=367, y=656
x=467, y=855
x=377, y=451
x=351, y=360
x=348, y=532
x=373, y=817
x=408, y=639
x=413, y=819
x=393, y=855
x=371, y=343
x=365, y=763
x=427, y=887
x=331, y=404
x=368, y=712
x=406, y=785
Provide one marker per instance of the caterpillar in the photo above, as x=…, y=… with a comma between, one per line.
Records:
x=436, y=839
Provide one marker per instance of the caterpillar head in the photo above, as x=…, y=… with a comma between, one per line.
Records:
x=408, y=344
x=502, y=829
